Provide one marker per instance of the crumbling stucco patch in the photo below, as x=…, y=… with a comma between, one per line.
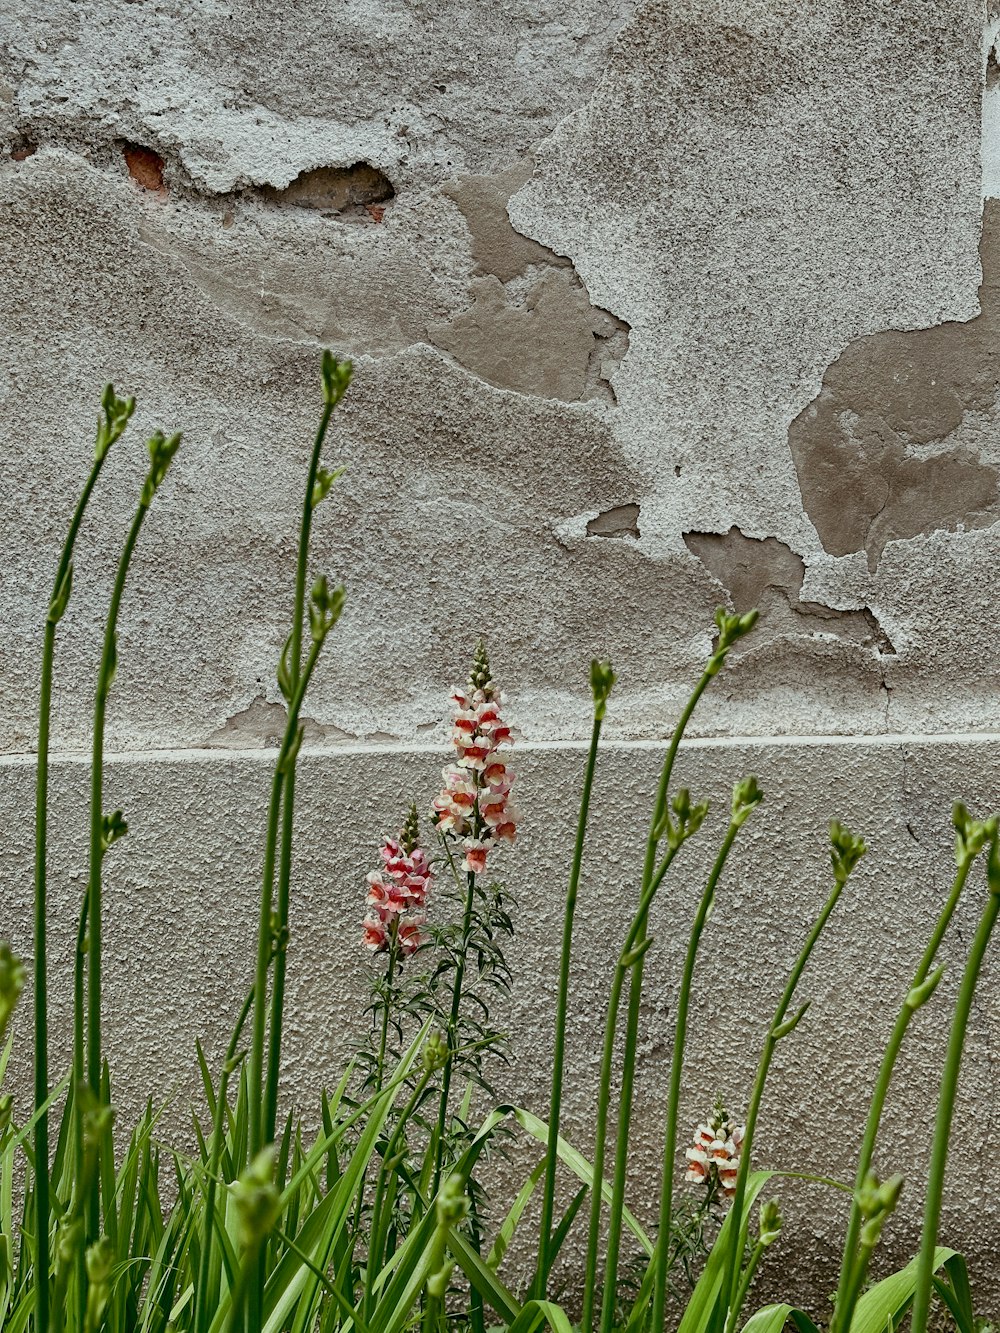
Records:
x=622, y=521
x=335, y=189
x=553, y=343
x=874, y=452
x=766, y=574
x=496, y=247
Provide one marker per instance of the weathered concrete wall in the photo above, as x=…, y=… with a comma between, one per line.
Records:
x=652, y=306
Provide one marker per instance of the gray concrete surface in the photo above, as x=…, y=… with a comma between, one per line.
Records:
x=651, y=307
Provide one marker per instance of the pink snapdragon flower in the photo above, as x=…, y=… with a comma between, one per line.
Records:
x=714, y=1157
x=473, y=805
x=397, y=894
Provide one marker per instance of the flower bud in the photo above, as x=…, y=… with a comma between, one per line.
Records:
x=746, y=795
x=325, y=606
x=770, y=1221
x=434, y=1055
x=161, y=454
x=437, y=1283
x=256, y=1199
x=452, y=1201
x=602, y=679
x=116, y=416
x=321, y=486
x=970, y=834
x=60, y=597
x=113, y=827
x=336, y=378
x=846, y=850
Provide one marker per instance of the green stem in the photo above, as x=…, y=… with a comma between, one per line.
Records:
x=456, y=1005
x=109, y=656
x=604, y=1092
x=384, y=1034
x=559, y=1053
x=288, y=798
x=265, y=934
x=756, y=1254
x=843, y=1307
x=661, y=1258
x=624, y=1119
x=374, y=1263
x=57, y=606
x=218, y=1133
x=946, y=1100
x=730, y=1283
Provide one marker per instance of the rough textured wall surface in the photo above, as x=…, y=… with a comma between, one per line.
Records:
x=652, y=306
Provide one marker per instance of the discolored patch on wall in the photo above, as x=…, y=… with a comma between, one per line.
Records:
x=335, y=189
x=531, y=326
x=874, y=452
x=766, y=574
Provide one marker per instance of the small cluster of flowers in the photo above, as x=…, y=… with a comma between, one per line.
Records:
x=474, y=802
x=397, y=894
x=714, y=1157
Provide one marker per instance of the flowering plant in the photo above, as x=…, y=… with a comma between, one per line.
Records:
x=376, y=1223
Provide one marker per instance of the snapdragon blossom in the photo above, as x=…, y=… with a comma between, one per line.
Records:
x=714, y=1157
x=474, y=802
x=397, y=894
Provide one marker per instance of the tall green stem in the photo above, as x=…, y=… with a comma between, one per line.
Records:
x=946, y=1099
x=656, y=829
x=558, y=1057
x=201, y=1320
x=98, y=839
x=61, y=590
x=456, y=1008
x=265, y=925
x=846, y=853
x=288, y=796
x=661, y=1256
x=626, y=960
x=841, y=1314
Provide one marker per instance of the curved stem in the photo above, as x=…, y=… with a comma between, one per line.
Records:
x=288, y=797
x=843, y=1307
x=456, y=1007
x=265, y=934
x=105, y=676
x=218, y=1131
x=41, y=1051
x=558, y=1057
x=604, y=1093
x=730, y=1282
x=634, y=1009
x=946, y=1100
x=662, y=1254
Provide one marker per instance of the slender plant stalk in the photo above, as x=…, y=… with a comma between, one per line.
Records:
x=626, y=959
x=265, y=930
x=946, y=1099
x=106, y=829
x=383, y=1040
x=201, y=1312
x=656, y=828
x=456, y=1008
x=965, y=852
x=602, y=680
x=661, y=1258
x=846, y=852
x=294, y=659
x=109, y=428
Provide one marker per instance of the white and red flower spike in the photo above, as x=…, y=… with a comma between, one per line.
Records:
x=397, y=894
x=714, y=1158
x=473, y=805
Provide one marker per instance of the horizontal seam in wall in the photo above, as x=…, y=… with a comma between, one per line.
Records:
x=266, y=754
